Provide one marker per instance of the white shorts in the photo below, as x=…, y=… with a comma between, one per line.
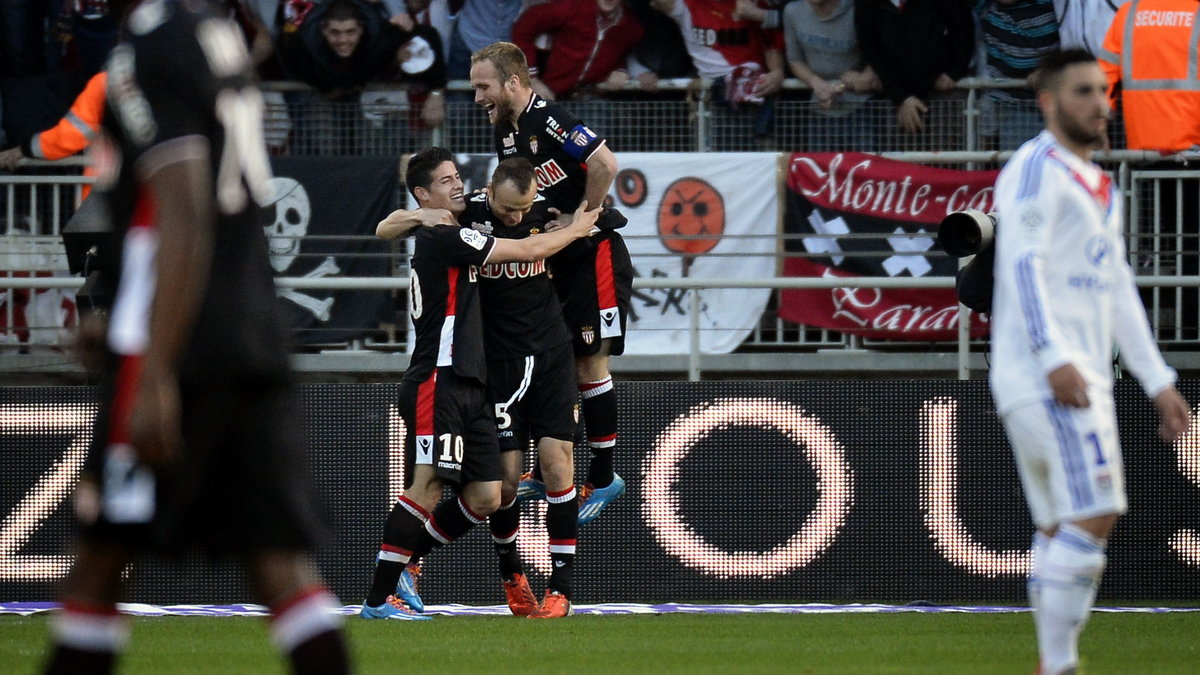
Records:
x=1069, y=460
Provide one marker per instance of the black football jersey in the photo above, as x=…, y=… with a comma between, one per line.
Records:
x=557, y=143
x=179, y=87
x=521, y=313
x=444, y=302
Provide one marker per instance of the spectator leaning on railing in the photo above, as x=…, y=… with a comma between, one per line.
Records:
x=1015, y=35
x=340, y=46
x=919, y=48
x=744, y=60
x=822, y=51
x=590, y=42
x=70, y=136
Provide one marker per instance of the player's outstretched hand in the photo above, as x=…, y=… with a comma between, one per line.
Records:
x=560, y=221
x=1175, y=414
x=584, y=220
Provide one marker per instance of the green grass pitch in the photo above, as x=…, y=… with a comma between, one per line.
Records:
x=672, y=643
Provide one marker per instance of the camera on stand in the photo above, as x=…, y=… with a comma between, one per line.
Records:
x=93, y=251
x=971, y=233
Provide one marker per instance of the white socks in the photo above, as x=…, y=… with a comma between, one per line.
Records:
x=1062, y=587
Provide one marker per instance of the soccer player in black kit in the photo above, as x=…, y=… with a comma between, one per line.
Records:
x=444, y=399
x=197, y=439
x=530, y=376
x=593, y=279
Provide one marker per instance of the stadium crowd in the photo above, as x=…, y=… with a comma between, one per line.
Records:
x=880, y=74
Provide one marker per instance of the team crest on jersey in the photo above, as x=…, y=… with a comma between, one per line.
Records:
x=588, y=334
x=581, y=136
x=1097, y=250
x=472, y=238
x=533, y=144
x=1031, y=220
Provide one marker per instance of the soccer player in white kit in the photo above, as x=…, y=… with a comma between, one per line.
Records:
x=1064, y=296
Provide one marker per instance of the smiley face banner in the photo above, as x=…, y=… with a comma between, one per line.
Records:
x=704, y=216
x=710, y=216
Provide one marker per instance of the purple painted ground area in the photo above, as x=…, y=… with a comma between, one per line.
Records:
x=26, y=608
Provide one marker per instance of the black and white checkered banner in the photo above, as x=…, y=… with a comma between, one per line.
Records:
x=853, y=215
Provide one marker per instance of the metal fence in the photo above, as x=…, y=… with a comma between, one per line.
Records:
x=682, y=116
x=966, y=129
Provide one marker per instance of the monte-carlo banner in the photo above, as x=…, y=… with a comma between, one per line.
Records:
x=853, y=215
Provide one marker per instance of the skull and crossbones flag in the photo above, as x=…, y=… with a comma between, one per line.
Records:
x=851, y=215
x=320, y=222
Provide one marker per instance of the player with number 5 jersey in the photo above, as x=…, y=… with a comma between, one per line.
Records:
x=444, y=399
x=593, y=278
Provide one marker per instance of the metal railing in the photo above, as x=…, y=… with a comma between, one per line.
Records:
x=1163, y=249
x=681, y=116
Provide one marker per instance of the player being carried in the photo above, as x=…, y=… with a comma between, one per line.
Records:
x=594, y=278
x=444, y=400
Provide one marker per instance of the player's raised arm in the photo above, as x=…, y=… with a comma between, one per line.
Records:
x=542, y=246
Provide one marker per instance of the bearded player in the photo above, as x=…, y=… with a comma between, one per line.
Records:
x=593, y=278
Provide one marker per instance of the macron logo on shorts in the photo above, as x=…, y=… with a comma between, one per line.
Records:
x=424, y=449
x=609, y=325
x=472, y=238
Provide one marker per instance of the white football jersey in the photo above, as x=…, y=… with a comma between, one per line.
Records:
x=1064, y=290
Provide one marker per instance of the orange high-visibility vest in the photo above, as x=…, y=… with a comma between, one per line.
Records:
x=1151, y=50
x=75, y=131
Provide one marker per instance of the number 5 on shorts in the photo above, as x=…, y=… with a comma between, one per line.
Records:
x=503, y=419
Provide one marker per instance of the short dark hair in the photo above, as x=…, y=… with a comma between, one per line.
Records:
x=516, y=169
x=343, y=10
x=422, y=165
x=1048, y=75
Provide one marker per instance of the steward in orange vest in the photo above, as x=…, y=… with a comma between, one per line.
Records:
x=1151, y=51
x=72, y=134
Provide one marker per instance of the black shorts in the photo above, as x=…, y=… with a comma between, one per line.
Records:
x=243, y=483
x=595, y=294
x=450, y=427
x=535, y=397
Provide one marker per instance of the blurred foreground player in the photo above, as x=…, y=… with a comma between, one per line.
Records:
x=196, y=442
x=1064, y=296
x=593, y=278
x=444, y=399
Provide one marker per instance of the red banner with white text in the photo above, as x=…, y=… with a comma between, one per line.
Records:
x=853, y=215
